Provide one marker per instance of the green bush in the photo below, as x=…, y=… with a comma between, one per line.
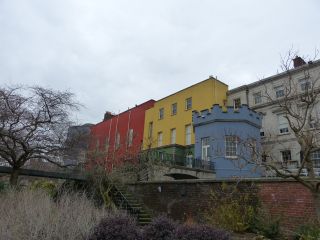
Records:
x=308, y=232
x=231, y=208
x=48, y=186
x=266, y=225
x=3, y=186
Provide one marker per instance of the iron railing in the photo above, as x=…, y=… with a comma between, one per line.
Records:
x=122, y=202
x=177, y=160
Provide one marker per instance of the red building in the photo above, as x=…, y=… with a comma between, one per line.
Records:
x=118, y=138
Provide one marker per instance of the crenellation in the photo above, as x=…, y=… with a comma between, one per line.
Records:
x=219, y=113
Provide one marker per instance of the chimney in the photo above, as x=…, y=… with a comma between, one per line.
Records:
x=298, y=62
x=107, y=116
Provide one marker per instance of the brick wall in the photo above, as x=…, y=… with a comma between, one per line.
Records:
x=182, y=200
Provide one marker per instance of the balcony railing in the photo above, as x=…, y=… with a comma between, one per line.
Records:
x=177, y=160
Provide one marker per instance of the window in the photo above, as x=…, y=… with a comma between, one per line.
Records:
x=257, y=98
x=118, y=141
x=283, y=124
x=188, y=134
x=173, y=136
x=264, y=157
x=261, y=133
x=97, y=144
x=253, y=148
x=205, y=148
x=189, y=159
x=160, y=136
x=313, y=123
x=231, y=143
x=286, y=156
x=315, y=156
x=161, y=113
x=174, y=109
x=188, y=103
x=236, y=103
x=305, y=85
x=130, y=137
x=150, y=130
x=107, y=145
x=279, y=91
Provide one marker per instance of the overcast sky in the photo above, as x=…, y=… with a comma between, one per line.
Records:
x=115, y=54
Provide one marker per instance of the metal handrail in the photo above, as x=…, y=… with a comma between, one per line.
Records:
x=124, y=202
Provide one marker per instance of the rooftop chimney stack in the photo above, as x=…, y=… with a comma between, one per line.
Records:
x=107, y=116
x=298, y=62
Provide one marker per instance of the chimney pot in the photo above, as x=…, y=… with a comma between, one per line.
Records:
x=107, y=116
x=298, y=62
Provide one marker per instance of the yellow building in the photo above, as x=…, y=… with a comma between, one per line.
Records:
x=169, y=122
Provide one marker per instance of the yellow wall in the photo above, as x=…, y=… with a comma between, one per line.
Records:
x=204, y=94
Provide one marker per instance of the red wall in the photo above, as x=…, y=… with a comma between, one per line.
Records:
x=181, y=200
x=121, y=123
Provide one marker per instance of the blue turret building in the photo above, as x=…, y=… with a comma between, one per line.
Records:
x=229, y=139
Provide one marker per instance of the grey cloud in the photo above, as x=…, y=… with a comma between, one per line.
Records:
x=114, y=54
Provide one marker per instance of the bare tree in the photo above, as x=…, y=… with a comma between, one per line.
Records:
x=33, y=125
x=299, y=106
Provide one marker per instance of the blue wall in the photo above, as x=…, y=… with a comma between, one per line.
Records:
x=216, y=124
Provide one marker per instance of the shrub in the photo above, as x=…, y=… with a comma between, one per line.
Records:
x=3, y=186
x=48, y=186
x=116, y=227
x=266, y=225
x=231, y=209
x=161, y=228
x=200, y=232
x=308, y=232
x=32, y=215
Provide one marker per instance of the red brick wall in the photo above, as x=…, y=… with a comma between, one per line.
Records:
x=289, y=200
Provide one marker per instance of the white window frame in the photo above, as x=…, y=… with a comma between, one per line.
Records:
x=279, y=91
x=130, y=137
x=231, y=139
x=173, y=133
x=305, y=84
x=188, y=103
x=282, y=155
x=205, y=147
x=161, y=113
x=315, y=156
x=117, y=140
x=107, y=145
x=236, y=103
x=257, y=98
x=150, y=130
x=283, y=124
x=160, y=139
x=188, y=131
x=174, y=109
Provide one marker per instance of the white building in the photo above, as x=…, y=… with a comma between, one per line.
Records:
x=263, y=96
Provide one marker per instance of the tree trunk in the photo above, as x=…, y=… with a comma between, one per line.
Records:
x=14, y=176
x=316, y=197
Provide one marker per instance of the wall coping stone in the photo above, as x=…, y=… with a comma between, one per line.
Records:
x=195, y=181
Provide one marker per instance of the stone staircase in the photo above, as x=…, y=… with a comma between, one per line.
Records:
x=127, y=202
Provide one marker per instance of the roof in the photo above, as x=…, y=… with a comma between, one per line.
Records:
x=310, y=64
x=210, y=78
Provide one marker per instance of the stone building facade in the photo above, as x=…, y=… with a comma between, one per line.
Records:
x=264, y=97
